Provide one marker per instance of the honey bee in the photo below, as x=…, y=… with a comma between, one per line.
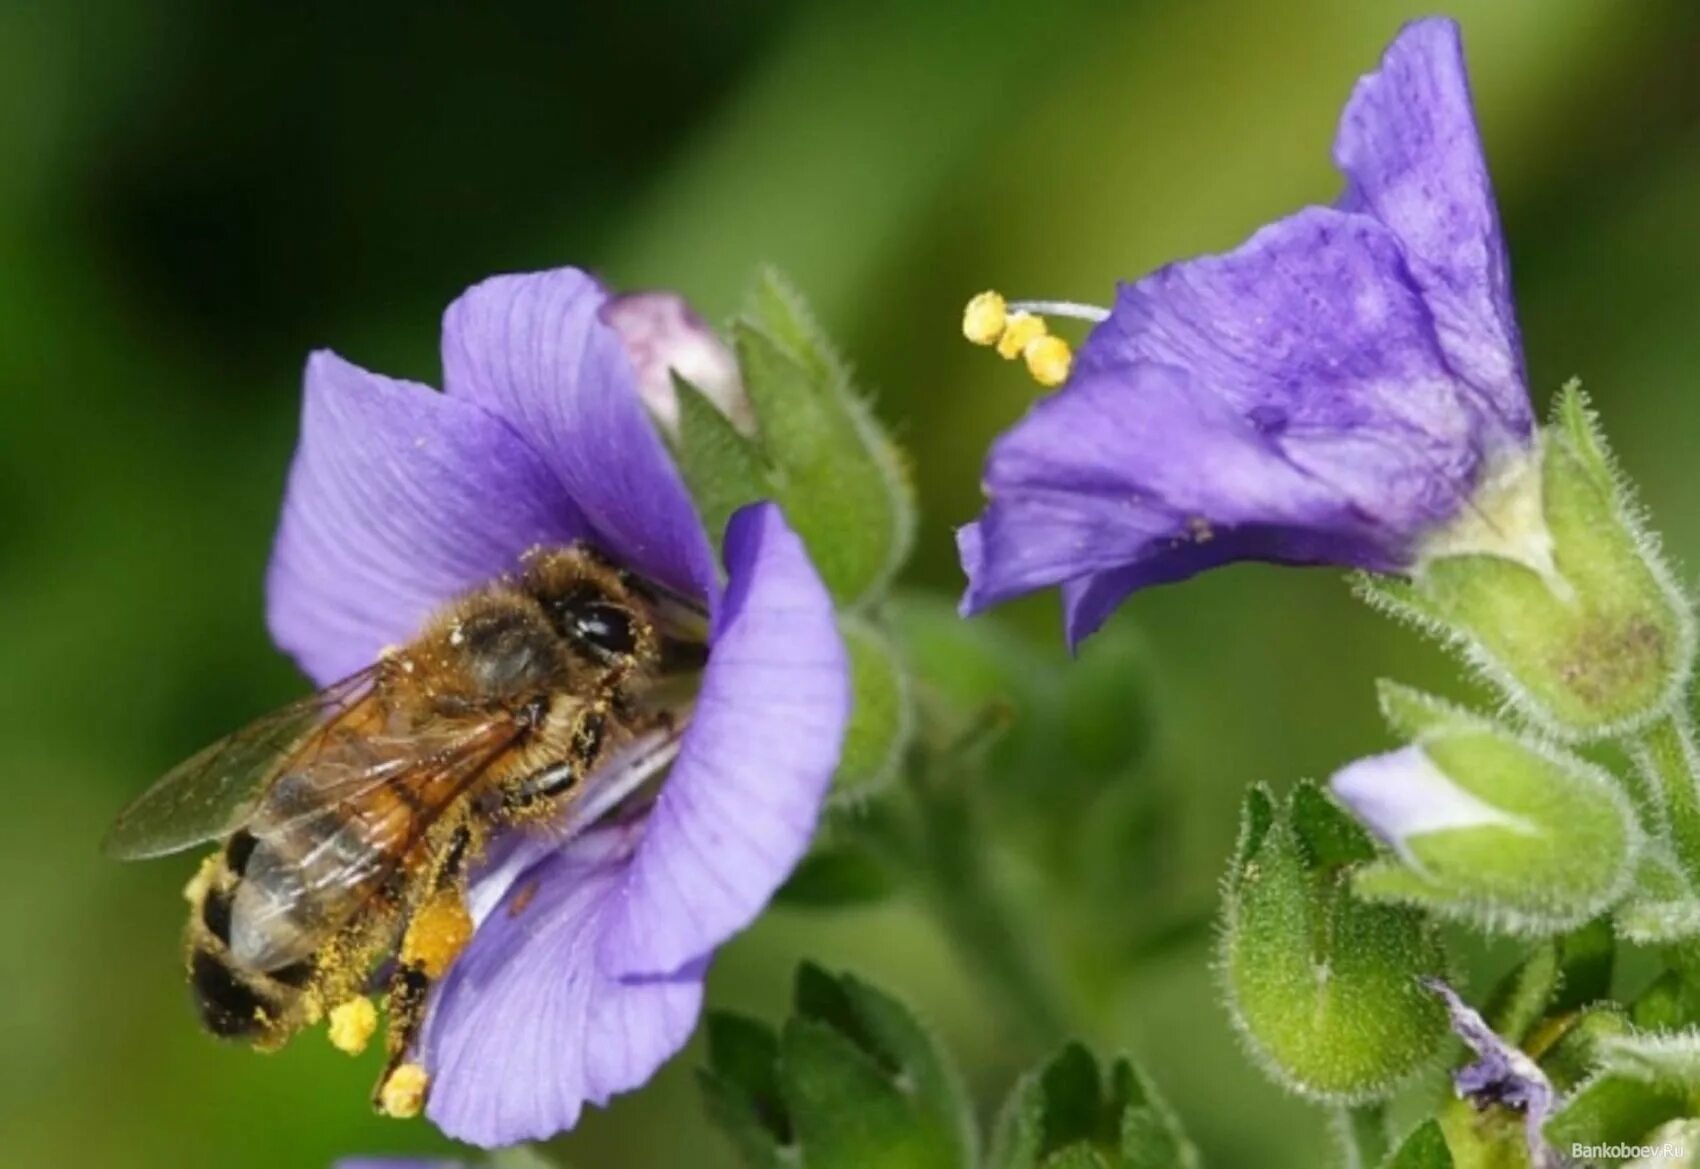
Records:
x=348, y=820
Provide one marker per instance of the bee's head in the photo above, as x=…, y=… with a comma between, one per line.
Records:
x=505, y=652
x=592, y=607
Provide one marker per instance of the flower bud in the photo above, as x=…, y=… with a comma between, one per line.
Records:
x=1323, y=985
x=1553, y=590
x=664, y=336
x=1486, y=826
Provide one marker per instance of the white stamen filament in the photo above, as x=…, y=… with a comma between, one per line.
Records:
x=1060, y=308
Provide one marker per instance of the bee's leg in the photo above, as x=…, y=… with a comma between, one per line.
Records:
x=437, y=931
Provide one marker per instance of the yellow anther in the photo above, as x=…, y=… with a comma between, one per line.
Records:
x=352, y=1024
x=1018, y=332
x=1048, y=359
x=983, y=319
x=403, y=1094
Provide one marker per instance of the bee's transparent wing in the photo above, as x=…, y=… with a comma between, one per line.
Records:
x=213, y=792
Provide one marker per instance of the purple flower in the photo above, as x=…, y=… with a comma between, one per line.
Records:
x=585, y=973
x=1501, y=1074
x=1331, y=392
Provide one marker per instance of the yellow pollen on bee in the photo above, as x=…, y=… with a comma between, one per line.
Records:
x=202, y=881
x=403, y=1093
x=1048, y=359
x=1021, y=330
x=438, y=932
x=984, y=318
x=352, y=1025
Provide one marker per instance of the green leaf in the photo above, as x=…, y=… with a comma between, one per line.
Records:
x=1067, y=1113
x=1425, y=1148
x=866, y=1085
x=882, y=719
x=741, y=1092
x=722, y=469
x=831, y=465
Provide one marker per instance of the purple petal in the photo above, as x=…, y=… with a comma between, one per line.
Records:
x=1078, y=493
x=397, y=1163
x=738, y=810
x=534, y=350
x=1413, y=160
x=664, y=336
x=399, y=498
x=1501, y=1074
x=526, y=1028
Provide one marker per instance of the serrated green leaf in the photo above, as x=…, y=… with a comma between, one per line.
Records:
x=722, y=469
x=829, y=466
x=1066, y=1113
x=740, y=1088
x=882, y=719
x=866, y=1085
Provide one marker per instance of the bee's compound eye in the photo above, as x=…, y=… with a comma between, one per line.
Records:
x=604, y=627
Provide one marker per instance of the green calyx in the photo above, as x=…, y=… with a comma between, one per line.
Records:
x=1323, y=985
x=1551, y=587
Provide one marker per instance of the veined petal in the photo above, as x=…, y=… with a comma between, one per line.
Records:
x=1313, y=332
x=1136, y=475
x=534, y=350
x=399, y=498
x=1412, y=156
x=737, y=812
x=527, y=1028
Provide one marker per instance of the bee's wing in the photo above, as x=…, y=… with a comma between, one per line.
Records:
x=213, y=792
x=345, y=815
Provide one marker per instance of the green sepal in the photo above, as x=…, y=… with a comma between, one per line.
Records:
x=1323, y=986
x=1579, y=624
x=882, y=720
x=722, y=469
x=1572, y=1057
x=1070, y=1114
x=832, y=467
x=1424, y=1148
x=864, y=1084
x=1551, y=840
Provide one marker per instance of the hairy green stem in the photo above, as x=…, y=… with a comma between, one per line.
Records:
x=1360, y=1135
x=929, y=834
x=1666, y=756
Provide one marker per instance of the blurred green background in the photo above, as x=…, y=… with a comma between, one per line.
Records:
x=194, y=193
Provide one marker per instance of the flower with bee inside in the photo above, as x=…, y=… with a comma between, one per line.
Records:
x=558, y=758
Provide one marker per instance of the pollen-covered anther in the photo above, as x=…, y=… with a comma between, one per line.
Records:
x=1048, y=359
x=1021, y=330
x=403, y=1093
x=984, y=319
x=352, y=1025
